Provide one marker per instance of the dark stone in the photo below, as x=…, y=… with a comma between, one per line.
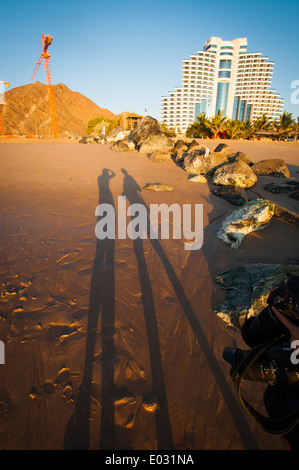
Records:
x=295, y=195
x=236, y=196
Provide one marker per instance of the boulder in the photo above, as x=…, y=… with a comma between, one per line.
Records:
x=252, y=216
x=148, y=126
x=180, y=153
x=123, y=145
x=238, y=174
x=156, y=142
x=272, y=167
x=158, y=156
x=285, y=187
x=240, y=156
x=158, y=187
x=224, y=149
x=247, y=289
x=192, y=144
x=197, y=178
x=194, y=160
x=236, y=196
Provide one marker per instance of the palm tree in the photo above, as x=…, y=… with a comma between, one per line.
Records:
x=202, y=127
x=233, y=127
x=217, y=123
x=246, y=129
x=261, y=124
x=285, y=124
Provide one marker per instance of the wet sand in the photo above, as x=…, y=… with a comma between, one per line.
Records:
x=113, y=344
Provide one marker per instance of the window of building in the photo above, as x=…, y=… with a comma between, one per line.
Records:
x=222, y=94
x=224, y=74
x=225, y=64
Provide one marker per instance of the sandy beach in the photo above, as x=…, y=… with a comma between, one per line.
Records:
x=113, y=344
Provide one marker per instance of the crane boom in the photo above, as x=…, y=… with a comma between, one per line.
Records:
x=45, y=56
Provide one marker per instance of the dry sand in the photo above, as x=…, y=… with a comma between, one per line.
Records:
x=113, y=344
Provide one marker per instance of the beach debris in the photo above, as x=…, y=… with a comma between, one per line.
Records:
x=238, y=174
x=197, y=178
x=272, y=167
x=247, y=288
x=158, y=187
x=252, y=216
x=236, y=196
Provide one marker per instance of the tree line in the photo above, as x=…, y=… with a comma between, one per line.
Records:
x=220, y=126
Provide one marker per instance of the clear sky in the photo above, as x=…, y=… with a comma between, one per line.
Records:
x=125, y=55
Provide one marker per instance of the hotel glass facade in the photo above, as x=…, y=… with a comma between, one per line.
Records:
x=223, y=76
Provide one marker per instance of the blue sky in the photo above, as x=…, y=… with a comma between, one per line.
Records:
x=125, y=55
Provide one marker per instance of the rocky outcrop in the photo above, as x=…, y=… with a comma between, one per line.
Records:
x=247, y=289
x=252, y=216
x=272, y=167
x=238, y=174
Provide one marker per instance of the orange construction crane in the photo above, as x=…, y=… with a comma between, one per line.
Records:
x=1, y=125
x=45, y=56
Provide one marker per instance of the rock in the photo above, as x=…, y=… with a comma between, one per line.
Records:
x=147, y=127
x=89, y=139
x=121, y=146
x=236, y=196
x=252, y=216
x=158, y=187
x=224, y=149
x=240, y=156
x=180, y=143
x=285, y=187
x=180, y=153
x=238, y=174
x=122, y=135
x=247, y=288
x=272, y=167
x=114, y=132
x=192, y=144
x=158, y=156
x=197, y=179
x=194, y=161
x=156, y=142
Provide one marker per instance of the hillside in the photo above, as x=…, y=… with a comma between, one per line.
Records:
x=26, y=111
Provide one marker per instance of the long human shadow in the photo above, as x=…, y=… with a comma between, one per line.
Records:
x=101, y=302
x=131, y=190
x=158, y=392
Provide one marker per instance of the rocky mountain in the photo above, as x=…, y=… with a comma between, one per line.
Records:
x=26, y=111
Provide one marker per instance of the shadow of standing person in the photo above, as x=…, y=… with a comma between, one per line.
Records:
x=101, y=301
x=131, y=191
x=158, y=392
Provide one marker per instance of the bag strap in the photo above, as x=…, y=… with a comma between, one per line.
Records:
x=276, y=426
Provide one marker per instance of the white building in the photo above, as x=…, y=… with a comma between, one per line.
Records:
x=223, y=76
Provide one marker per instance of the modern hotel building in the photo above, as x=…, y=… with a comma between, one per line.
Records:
x=223, y=76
